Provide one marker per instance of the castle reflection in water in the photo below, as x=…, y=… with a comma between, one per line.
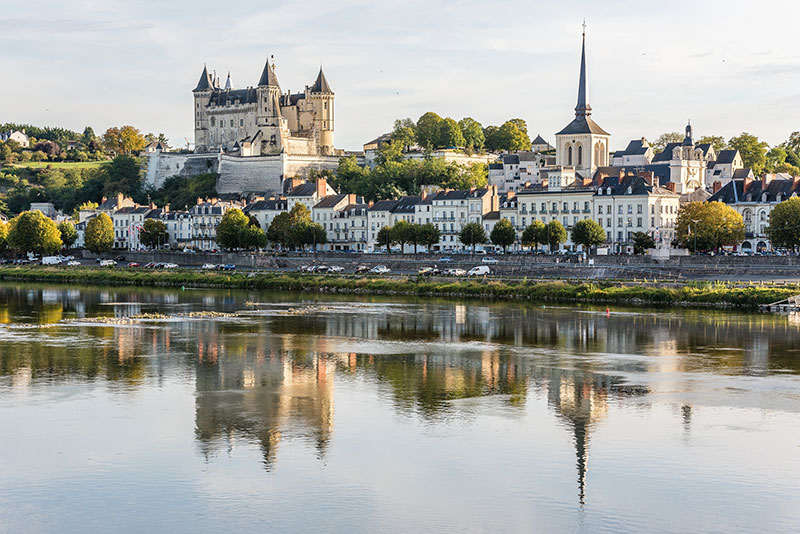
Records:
x=266, y=375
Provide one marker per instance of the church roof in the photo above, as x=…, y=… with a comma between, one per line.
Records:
x=726, y=156
x=268, y=76
x=581, y=125
x=205, y=83
x=321, y=84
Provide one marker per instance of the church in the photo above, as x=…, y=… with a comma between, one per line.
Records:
x=262, y=120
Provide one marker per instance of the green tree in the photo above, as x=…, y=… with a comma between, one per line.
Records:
x=429, y=235
x=775, y=160
x=31, y=231
x=753, y=151
x=252, y=237
x=68, y=233
x=472, y=131
x=717, y=142
x=153, y=233
x=556, y=234
x=666, y=138
x=535, y=234
x=385, y=238
x=491, y=136
x=503, y=234
x=3, y=236
x=428, y=130
x=279, y=231
x=642, y=241
x=308, y=233
x=588, y=233
x=450, y=135
x=708, y=224
x=403, y=232
x=513, y=136
x=230, y=228
x=784, y=224
x=404, y=133
x=99, y=235
x=472, y=234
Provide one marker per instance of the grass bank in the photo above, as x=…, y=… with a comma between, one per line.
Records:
x=691, y=294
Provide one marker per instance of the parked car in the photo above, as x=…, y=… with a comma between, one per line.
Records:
x=480, y=270
x=425, y=271
x=208, y=266
x=170, y=266
x=120, y=258
x=302, y=269
x=51, y=260
x=134, y=264
x=107, y=263
x=454, y=272
x=321, y=269
x=335, y=269
x=446, y=259
x=229, y=267
x=380, y=269
x=361, y=269
x=150, y=265
x=490, y=260
x=73, y=263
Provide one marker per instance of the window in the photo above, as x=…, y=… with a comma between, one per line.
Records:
x=555, y=207
x=619, y=210
x=608, y=222
x=569, y=156
x=544, y=207
x=566, y=206
x=639, y=208
x=652, y=221
x=639, y=222
x=586, y=206
x=580, y=156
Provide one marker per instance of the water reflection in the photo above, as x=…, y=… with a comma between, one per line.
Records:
x=267, y=376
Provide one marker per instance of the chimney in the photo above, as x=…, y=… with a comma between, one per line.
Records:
x=103, y=199
x=322, y=187
x=766, y=179
x=671, y=186
x=370, y=204
x=423, y=194
x=166, y=208
x=717, y=186
x=351, y=198
x=120, y=198
x=510, y=195
x=199, y=200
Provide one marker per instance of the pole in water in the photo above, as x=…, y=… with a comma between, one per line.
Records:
x=608, y=312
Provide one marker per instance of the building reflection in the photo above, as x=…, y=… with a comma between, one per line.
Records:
x=269, y=378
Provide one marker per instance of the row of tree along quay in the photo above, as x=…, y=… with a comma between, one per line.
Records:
x=690, y=294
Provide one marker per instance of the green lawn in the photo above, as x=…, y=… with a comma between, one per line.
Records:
x=61, y=164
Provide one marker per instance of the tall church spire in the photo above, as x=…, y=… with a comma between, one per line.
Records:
x=583, y=109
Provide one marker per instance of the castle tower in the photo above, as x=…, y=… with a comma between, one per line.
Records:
x=268, y=112
x=322, y=104
x=202, y=96
x=583, y=144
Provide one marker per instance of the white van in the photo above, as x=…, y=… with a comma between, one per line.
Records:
x=480, y=270
x=51, y=260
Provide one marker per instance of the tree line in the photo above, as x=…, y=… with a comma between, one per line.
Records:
x=431, y=132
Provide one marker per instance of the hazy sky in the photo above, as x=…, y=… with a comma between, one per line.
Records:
x=730, y=65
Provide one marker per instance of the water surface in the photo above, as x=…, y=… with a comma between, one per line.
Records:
x=304, y=413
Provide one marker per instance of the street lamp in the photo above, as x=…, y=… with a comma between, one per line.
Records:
x=695, y=221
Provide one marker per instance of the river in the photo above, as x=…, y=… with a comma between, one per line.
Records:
x=310, y=413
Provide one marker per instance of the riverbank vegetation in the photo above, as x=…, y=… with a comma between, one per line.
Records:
x=699, y=294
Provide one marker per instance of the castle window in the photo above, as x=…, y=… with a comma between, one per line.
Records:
x=569, y=156
x=213, y=121
x=241, y=122
x=324, y=105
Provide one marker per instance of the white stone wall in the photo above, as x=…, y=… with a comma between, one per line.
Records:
x=261, y=174
x=162, y=165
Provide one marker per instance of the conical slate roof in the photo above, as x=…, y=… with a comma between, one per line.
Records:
x=205, y=83
x=321, y=85
x=582, y=123
x=228, y=83
x=268, y=76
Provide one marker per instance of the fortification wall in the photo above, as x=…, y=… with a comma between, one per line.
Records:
x=302, y=165
x=162, y=165
x=263, y=174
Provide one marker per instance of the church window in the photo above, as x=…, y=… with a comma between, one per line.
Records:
x=580, y=156
x=569, y=156
x=213, y=121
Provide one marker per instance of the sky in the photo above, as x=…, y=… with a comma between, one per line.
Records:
x=728, y=65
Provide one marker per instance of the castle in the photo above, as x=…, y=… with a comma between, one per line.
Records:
x=262, y=120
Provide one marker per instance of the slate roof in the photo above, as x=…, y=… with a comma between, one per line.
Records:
x=631, y=185
x=634, y=148
x=321, y=84
x=735, y=191
x=539, y=141
x=406, y=204
x=582, y=125
x=510, y=159
x=741, y=174
x=496, y=166
x=459, y=194
x=666, y=155
x=383, y=205
x=303, y=190
x=660, y=172
x=492, y=216
x=726, y=156
x=205, y=83
x=220, y=97
x=330, y=201
x=268, y=76
x=270, y=204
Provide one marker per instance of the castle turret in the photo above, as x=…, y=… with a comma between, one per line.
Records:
x=202, y=96
x=322, y=103
x=268, y=111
